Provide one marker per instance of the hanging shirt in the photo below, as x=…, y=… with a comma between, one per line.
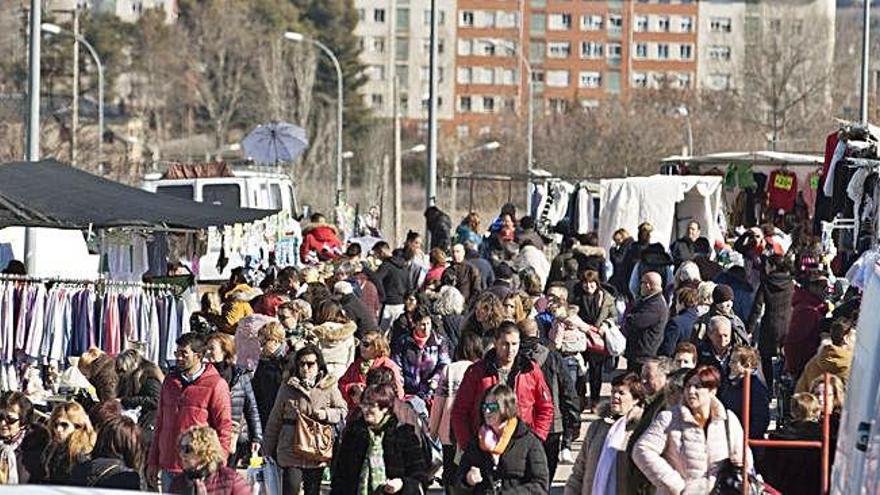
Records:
x=782, y=190
x=811, y=190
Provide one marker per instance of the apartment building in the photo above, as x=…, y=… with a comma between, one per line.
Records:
x=394, y=36
x=125, y=10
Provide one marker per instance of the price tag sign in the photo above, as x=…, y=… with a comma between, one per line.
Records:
x=784, y=182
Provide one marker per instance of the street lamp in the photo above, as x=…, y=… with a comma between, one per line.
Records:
x=683, y=111
x=298, y=38
x=56, y=29
x=490, y=146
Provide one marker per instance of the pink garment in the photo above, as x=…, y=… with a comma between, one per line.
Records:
x=247, y=344
x=811, y=190
x=112, y=327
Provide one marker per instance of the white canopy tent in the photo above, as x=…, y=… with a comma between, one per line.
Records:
x=668, y=202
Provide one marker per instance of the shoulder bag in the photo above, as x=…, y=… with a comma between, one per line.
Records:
x=729, y=480
x=312, y=439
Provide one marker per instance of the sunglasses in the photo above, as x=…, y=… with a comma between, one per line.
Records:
x=490, y=407
x=187, y=449
x=308, y=364
x=8, y=418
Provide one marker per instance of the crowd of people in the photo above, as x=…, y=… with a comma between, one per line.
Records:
x=376, y=371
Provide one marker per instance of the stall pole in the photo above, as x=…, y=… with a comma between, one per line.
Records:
x=33, y=128
x=866, y=50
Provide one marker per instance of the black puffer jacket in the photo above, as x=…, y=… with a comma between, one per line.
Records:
x=521, y=470
x=392, y=280
x=267, y=380
x=644, y=327
x=772, y=307
x=401, y=452
x=565, y=402
x=440, y=227
x=244, y=404
x=106, y=473
x=358, y=313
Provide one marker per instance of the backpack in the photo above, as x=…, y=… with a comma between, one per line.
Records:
x=432, y=449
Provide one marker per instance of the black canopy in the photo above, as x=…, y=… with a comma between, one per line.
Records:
x=51, y=194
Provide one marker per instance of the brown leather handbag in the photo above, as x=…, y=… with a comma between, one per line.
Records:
x=312, y=440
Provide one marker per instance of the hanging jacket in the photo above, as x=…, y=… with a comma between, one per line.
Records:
x=521, y=469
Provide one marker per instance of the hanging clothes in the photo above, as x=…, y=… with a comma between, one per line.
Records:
x=782, y=190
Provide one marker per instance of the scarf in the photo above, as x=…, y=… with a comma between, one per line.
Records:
x=365, y=366
x=605, y=479
x=8, y=461
x=420, y=339
x=493, y=444
x=373, y=471
x=592, y=307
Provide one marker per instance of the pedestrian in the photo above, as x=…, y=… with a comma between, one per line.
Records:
x=717, y=348
x=620, y=258
x=503, y=364
x=247, y=430
x=470, y=350
x=375, y=353
x=834, y=358
x=684, y=448
x=271, y=368
x=117, y=461
x=203, y=463
x=207, y=319
x=72, y=440
x=771, y=312
x=513, y=307
x=722, y=305
x=354, y=308
x=528, y=232
x=655, y=382
x=745, y=360
x=469, y=230
x=368, y=292
x=596, y=308
x=504, y=281
x=392, y=282
x=644, y=325
x=405, y=323
x=681, y=326
x=22, y=440
x=334, y=333
x=296, y=319
x=685, y=355
x=486, y=315
x=504, y=456
x=462, y=275
x=309, y=399
x=796, y=470
x=530, y=255
x=193, y=394
x=236, y=305
x=449, y=307
x=683, y=249
x=284, y=289
x=381, y=455
x=566, y=406
x=99, y=368
x=743, y=291
x=140, y=384
x=601, y=465
x=422, y=355
x=437, y=257
x=802, y=340
x=439, y=227
x=320, y=241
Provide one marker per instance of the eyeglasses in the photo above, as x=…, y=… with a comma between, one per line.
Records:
x=367, y=344
x=187, y=449
x=8, y=418
x=490, y=407
x=308, y=364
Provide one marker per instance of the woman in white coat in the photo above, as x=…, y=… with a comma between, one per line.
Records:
x=684, y=448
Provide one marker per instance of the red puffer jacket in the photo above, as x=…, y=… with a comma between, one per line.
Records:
x=224, y=481
x=533, y=400
x=205, y=402
x=322, y=239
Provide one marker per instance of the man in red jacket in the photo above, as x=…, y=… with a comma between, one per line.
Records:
x=193, y=395
x=505, y=364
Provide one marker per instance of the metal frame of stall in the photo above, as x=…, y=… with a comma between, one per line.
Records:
x=473, y=177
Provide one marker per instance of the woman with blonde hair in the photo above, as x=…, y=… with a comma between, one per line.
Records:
x=513, y=307
x=469, y=230
x=72, y=439
x=204, y=466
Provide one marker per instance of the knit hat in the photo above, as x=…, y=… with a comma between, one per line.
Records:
x=504, y=271
x=722, y=293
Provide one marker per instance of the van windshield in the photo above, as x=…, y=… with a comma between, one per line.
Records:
x=222, y=194
x=183, y=192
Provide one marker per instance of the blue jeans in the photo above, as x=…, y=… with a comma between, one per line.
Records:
x=572, y=369
x=165, y=478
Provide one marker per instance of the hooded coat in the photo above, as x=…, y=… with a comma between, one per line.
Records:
x=322, y=239
x=833, y=359
x=337, y=343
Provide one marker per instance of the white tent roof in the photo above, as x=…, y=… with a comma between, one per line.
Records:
x=753, y=157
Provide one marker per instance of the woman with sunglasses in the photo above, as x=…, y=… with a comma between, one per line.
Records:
x=22, y=441
x=311, y=392
x=686, y=445
x=72, y=440
x=374, y=353
x=506, y=456
x=204, y=466
x=378, y=454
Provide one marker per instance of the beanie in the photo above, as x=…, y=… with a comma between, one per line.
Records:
x=722, y=293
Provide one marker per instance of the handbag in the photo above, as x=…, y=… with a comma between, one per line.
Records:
x=312, y=439
x=615, y=342
x=595, y=343
x=729, y=480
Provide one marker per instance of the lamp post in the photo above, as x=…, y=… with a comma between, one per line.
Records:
x=56, y=29
x=33, y=127
x=683, y=111
x=298, y=37
x=490, y=146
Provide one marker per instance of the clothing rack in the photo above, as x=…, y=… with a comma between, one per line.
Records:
x=100, y=282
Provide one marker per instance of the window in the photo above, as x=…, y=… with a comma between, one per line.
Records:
x=591, y=22
x=615, y=23
x=402, y=73
x=538, y=23
x=537, y=49
x=465, y=46
x=558, y=49
x=483, y=75
x=487, y=49
x=376, y=72
x=559, y=22
x=720, y=24
x=508, y=77
x=379, y=45
x=362, y=15
x=558, y=105
x=403, y=19
x=641, y=50
x=662, y=51
x=464, y=75
x=557, y=78
x=615, y=51
x=590, y=80
x=183, y=192
x=719, y=52
x=641, y=24
x=686, y=52
x=402, y=49
x=404, y=102
x=275, y=197
x=425, y=73
x=222, y=194
x=485, y=19
x=720, y=80
x=687, y=24
x=509, y=105
x=379, y=15
x=775, y=25
x=612, y=81
x=466, y=19
x=376, y=100
x=464, y=103
x=441, y=17
x=589, y=103
x=488, y=104
x=506, y=19
x=663, y=24
x=640, y=80
x=426, y=46
x=591, y=49
x=684, y=80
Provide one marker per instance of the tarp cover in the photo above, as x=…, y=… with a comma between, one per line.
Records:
x=52, y=194
x=668, y=202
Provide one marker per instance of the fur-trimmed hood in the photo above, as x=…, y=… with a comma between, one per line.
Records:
x=331, y=331
x=243, y=292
